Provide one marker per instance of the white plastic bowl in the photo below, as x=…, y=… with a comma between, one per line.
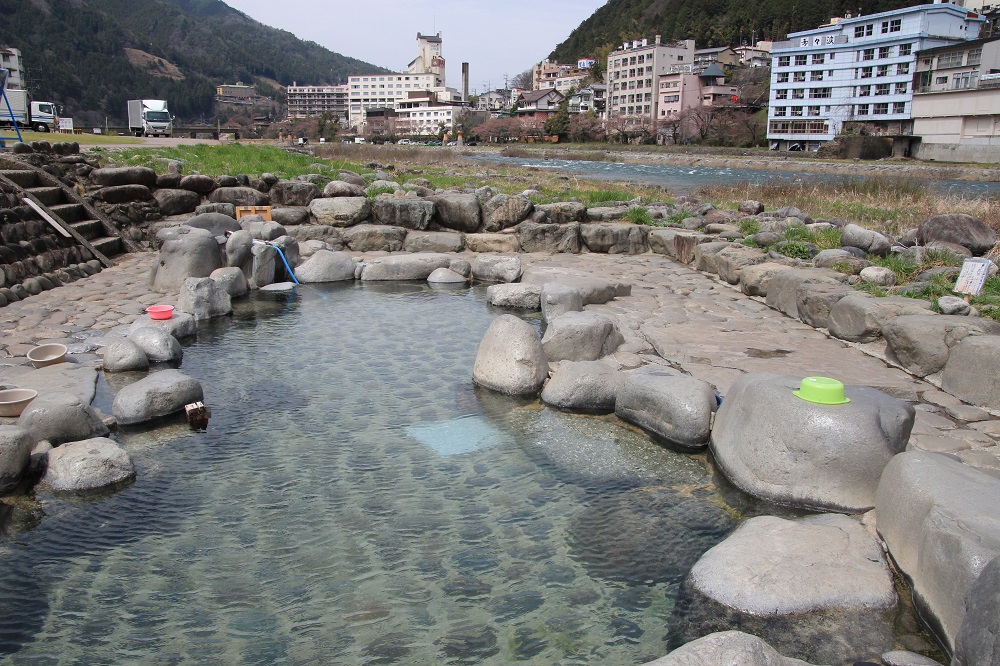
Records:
x=13, y=401
x=47, y=355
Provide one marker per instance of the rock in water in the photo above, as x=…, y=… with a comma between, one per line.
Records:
x=510, y=358
x=88, y=465
x=159, y=394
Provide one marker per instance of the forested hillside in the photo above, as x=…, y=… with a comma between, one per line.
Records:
x=93, y=55
x=709, y=22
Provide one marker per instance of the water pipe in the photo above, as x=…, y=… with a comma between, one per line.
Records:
x=282, y=255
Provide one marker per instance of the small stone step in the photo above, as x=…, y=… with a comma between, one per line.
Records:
x=22, y=177
x=70, y=213
x=108, y=245
x=89, y=229
x=49, y=196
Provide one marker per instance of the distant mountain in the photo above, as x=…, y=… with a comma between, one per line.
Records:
x=708, y=22
x=93, y=55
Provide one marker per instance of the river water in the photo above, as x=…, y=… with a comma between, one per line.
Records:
x=687, y=179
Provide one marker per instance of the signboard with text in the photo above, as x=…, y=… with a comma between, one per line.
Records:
x=973, y=276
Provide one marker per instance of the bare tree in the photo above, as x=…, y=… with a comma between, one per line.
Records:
x=629, y=128
x=586, y=127
x=523, y=81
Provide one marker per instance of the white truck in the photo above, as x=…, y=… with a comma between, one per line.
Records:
x=149, y=117
x=38, y=116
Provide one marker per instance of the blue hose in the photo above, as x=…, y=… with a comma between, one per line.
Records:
x=285, y=261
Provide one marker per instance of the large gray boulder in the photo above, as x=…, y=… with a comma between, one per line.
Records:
x=341, y=188
x=870, y=241
x=294, y=192
x=515, y=296
x=290, y=216
x=615, y=237
x=232, y=280
x=458, y=211
x=445, y=276
x=263, y=265
x=583, y=386
x=783, y=287
x=131, y=175
x=405, y=267
x=88, y=465
x=197, y=182
x=755, y=280
x=123, y=355
x=181, y=325
x=972, y=371
x=774, y=445
x=921, y=343
x=326, y=266
x=676, y=408
x=818, y=588
x=504, y=243
x=503, y=211
x=407, y=212
x=353, y=178
x=580, y=336
x=551, y=238
x=217, y=223
x=61, y=417
x=860, y=318
x=261, y=229
x=176, y=202
x=729, y=648
x=706, y=256
x=204, y=298
x=557, y=298
x=157, y=395
x=340, y=211
x=978, y=641
x=960, y=229
x=732, y=260
x=510, y=358
x=814, y=300
x=495, y=268
x=374, y=238
x=239, y=196
x=157, y=343
x=185, y=252
x=434, y=241
x=15, y=455
x=564, y=211
x=939, y=519
x=678, y=244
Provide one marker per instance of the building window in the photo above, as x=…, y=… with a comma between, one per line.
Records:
x=798, y=93
x=882, y=89
x=864, y=30
x=816, y=76
x=779, y=111
x=782, y=77
x=862, y=110
x=903, y=68
x=821, y=93
x=798, y=77
x=800, y=60
x=868, y=54
x=899, y=107
x=891, y=26
x=882, y=70
x=818, y=59
x=866, y=72
x=813, y=110
x=941, y=80
x=784, y=61
x=975, y=57
x=864, y=91
x=885, y=52
x=901, y=88
x=880, y=109
x=796, y=110
x=905, y=49
x=951, y=60
x=642, y=59
x=780, y=94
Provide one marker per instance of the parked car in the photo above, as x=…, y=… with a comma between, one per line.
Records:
x=471, y=143
x=453, y=143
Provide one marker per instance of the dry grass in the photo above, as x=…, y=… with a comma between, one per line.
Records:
x=888, y=205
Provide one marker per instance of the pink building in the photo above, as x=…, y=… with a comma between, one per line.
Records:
x=681, y=91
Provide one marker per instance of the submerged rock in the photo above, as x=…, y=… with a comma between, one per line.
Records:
x=88, y=465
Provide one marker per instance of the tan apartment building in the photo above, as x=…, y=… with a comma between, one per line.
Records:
x=681, y=92
x=307, y=101
x=956, y=102
x=548, y=75
x=723, y=56
x=10, y=59
x=634, y=70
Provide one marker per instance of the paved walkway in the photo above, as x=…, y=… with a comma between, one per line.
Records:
x=675, y=315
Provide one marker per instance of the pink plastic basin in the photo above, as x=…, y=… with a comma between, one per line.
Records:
x=160, y=311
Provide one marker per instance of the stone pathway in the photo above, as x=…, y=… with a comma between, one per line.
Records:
x=675, y=315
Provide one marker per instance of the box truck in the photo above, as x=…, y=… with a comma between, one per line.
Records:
x=38, y=116
x=149, y=117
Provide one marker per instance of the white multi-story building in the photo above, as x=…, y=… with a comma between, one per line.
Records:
x=425, y=74
x=633, y=72
x=11, y=60
x=306, y=101
x=856, y=69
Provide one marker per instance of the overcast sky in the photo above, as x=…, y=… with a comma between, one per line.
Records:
x=496, y=38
